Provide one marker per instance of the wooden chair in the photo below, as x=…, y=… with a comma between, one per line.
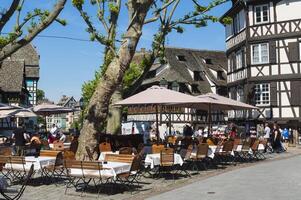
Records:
x=6, y=151
x=157, y=148
x=132, y=176
x=56, y=170
x=58, y=145
x=49, y=153
x=119, y=158
x=225, y=154
x=244, y=153
x=74, y=146
x=69, y=155
x=210, y=142
x=200, y=156
x=126, y=150
x=104, y=147
x=5, y=192
x=167, y=150
x=16, y=168
x=166, y=163
x=79, y=172
x=89, y=153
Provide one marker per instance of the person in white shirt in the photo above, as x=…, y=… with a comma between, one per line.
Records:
x=267, y=131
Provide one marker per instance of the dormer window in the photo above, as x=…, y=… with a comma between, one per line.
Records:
x=220, y=75
x=261, y=14
x=208, y=61
x=181, y=58
x=197, y=76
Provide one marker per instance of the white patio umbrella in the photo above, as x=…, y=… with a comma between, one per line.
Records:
x=217, y=102
x=159, y=96
x=6, y=107
x=46, y=109
x=22, y=113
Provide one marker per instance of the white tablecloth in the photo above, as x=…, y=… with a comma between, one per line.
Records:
x=153, y=160
x=112, y=169
x=38, y=163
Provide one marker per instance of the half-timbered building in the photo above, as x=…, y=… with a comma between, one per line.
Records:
x=263, y=52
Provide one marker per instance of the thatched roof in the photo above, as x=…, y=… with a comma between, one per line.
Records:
x=12, y=76
x=182, y=63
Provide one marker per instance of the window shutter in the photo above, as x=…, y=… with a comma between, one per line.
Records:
x=234, y=61
x=243, y=59
x=272, y=52
x=295, y=93
x=293, y=51
x=273, y=93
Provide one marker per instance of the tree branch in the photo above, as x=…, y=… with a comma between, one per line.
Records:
x=13, y=47
x=7, y=15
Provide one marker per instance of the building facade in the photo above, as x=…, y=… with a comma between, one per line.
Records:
x=19, y=76
x=64, y=121
x=190, y=71
x=263, y=52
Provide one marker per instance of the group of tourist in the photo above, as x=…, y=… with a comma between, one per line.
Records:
x=21, y=137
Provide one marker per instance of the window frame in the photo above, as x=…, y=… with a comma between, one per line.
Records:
x=262, y=101
x=260, y=54
x=261, y=14
x=239, y=62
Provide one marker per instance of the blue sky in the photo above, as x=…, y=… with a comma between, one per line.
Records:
x=66, y=64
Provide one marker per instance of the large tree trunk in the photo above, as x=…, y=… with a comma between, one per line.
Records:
x=98, y=105
x=114, y=116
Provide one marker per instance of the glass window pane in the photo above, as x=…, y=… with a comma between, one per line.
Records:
x=265, y=14
x=258, y=14
x=256, y=54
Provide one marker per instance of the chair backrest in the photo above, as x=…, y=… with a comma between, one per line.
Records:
x=202, y=150
x=210, y=142
x=171, y=140
x=58, y=145
x=140, y=147
x=17, y=160
x=157, y=148
x=188, y=152
x=74, y=146
x=166, y=159
x=167, y=150
x=74, y=164
x=246, y=145
x=105, y=146
x=237, y=141
x=59, y=160
x=6, y=151
x=45, y=144
x=119, y=158
x=48, y=153
x=89, y=153
x=69, y=155
x=3, y=161
x=136, y=163
x=255, y=145
x=228, y=146
x=126, y=150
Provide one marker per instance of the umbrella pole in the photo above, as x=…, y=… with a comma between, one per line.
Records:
x=209, y=119
x=169, y=109
x=157, y=124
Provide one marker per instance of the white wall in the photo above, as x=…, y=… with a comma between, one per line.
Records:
x=288, y=9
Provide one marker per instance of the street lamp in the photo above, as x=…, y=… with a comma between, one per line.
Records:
x=175, y=86
x=163, y=83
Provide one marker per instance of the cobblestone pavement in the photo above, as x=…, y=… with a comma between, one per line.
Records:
x=150, y=187
x=267, y=181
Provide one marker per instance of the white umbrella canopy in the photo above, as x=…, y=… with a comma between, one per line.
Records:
x=22, y=113
x=46, y=109
x=6, y=107
x=217, y=102
x=157, y=95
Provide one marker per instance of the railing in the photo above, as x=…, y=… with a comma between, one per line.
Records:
x=236, y=39
x=276, y=28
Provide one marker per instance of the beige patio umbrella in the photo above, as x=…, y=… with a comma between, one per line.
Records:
x=159, y=96
x=217, y=102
